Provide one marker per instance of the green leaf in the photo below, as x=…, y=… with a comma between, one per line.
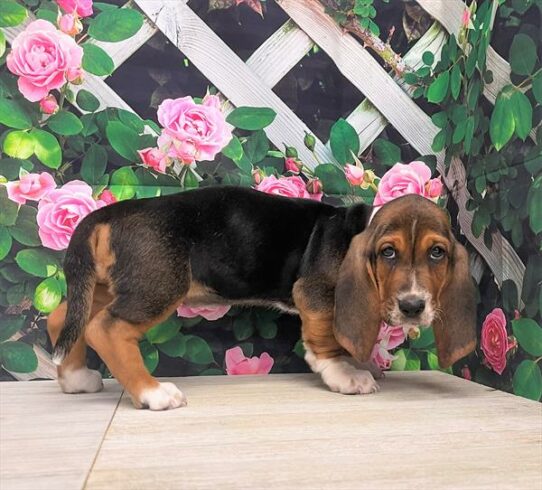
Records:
x=5, y=242
x=407, y=360
x=149, y=354
x=87, y=101
x=164, y=331
x=18, y=357
x=97, y=61
x=123, y=182
x=243, y=327
x=257, y=146
x=428, y=58
x=115, y=25
x=123, y=139
x=387, y=153
x=48, y=295
x=455, y=81
x=267, y=329
x=233, y=150
x=11, y=13
x=432, y=361
x=174, y=347
x=94, y=164
x=47, y=148
x=25, y=230
x=8, y=208
x=534, y=200
x=198, y=350
x=527, y=380
x=344, y=141
x=13, y=115
x=251, y=118
x=469, y=133
x=502, y=124
x=10, y=325
x=37, y=262
x=537, y=87
x=332, y=178
x=65, y=123
x=439, y=141
x=2, y=45
x=529, y=335
x=439, y=88
x=523, y=114
x=440, y=119
x=522, y=55
x=19, y=144
x=426, y=338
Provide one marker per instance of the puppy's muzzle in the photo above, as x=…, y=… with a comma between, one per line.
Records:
x=412, y=306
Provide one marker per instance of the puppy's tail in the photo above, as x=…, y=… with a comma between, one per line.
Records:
x=80, y=271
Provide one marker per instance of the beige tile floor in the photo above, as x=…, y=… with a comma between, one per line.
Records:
x=424, y=430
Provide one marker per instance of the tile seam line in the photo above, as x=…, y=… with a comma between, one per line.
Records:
x=104, y=435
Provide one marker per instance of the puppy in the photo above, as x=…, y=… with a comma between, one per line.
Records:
x=130, y=265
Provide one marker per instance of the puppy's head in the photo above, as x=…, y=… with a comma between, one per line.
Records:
x=406, y=269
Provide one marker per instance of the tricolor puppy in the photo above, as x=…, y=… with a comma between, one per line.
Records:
x=130, y=265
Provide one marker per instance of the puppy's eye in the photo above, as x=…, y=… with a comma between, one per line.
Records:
x=388, y=253
x=437, y=253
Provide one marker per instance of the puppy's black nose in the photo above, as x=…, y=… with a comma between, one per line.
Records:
x=411, y=306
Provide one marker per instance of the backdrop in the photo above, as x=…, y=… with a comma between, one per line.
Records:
x=333, y=100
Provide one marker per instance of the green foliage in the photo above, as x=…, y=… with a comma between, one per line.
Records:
x=11, y=13
x=97, y=61
x=251, y=118
x=406, y=360
x=527, y=380
x=386, y=152
x=48, y=295
x=65, y=123
x=164, y=331
x=343, y=141
x=13, y=115
x=529, y=335
x=18, y=357
x=115, y=25
x=87, y=101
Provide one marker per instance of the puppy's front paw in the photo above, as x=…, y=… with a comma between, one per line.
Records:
x=82, y=380
x=344, y=378
x=164, y=397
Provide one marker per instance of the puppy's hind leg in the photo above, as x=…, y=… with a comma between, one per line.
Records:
x=73, y=374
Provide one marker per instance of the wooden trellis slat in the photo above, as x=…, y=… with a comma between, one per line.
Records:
x=222, y=67
x=405, y=116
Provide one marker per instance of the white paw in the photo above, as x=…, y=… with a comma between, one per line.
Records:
x=345, y=378
x=164, y=397
x=82, y=380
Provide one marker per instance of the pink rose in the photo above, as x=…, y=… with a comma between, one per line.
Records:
x=70, y=24
x=107, y=197
x=41, y=56
x=30, y=186
x=403, y=179
x=210, y=312
x=238, y=363
x=61, y=210
x=389, y=337
x=293, y=186
x=49, y=105
x=433, y=188
x=154, y=158
x=83, y=8
x=494, y=341
x=292, y=165
x=257, y=175
x=354, y=174
x=198, y=131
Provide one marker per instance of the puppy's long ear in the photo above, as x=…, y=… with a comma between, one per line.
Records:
x=455, y=325
x=357, y=303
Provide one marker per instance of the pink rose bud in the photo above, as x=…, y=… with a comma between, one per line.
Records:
x=154, y=158
x=314, y=187
x=517, y=315
x=465, y=373
x=354, y=174
x=434, y=188
x=107, y=197
x=257, y=176
x=49, y=105
x=83, y=8
x=75, y=76
x=70, y=24
x=465, y=18
x=292, y=165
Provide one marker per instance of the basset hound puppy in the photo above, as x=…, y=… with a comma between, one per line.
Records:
x=129, y=266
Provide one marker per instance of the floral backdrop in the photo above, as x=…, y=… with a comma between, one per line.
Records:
x=58, y=164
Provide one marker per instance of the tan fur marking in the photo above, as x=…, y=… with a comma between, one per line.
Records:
x=101, y=250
